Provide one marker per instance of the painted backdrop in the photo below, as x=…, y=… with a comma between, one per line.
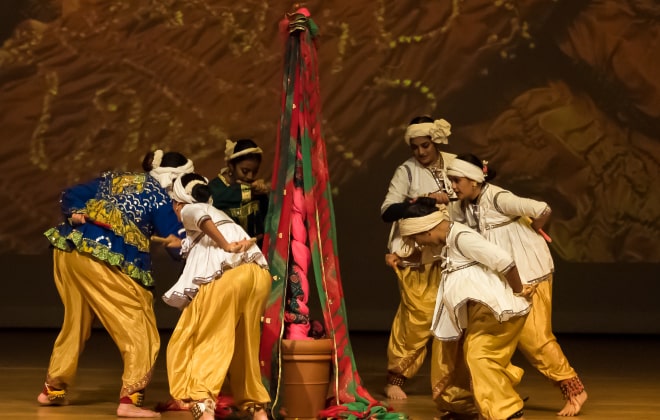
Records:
x=562, y=97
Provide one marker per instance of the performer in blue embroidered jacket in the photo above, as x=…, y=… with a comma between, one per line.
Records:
x=102, y=269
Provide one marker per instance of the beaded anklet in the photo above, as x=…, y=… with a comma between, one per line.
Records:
x=396, y=379
x=571, y=387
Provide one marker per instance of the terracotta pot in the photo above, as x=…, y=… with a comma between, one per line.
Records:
x=305, y=376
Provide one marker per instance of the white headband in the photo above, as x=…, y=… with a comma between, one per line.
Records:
x=438, y=130
x=184, y=195
x=413, y=225
x=158, y=158
x=231, y=145
x=165, y=175
x=466, y=169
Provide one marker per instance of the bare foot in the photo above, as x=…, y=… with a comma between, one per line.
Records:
x=129, y=410
x=44, y=400
x=573, y=405
x=209, y=416
x=394, y=392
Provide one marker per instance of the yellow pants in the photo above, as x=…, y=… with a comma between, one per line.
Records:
x=411, y=328
x=488, y=346
x=452, y=391
x=90, y=288
x=537, y=342
x=219, y=333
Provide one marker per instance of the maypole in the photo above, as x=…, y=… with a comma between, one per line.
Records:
x=300, y=229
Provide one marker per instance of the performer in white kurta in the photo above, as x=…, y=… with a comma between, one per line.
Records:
x=205, y=261
x=422, y=175
x=471, y=271
x=222, y=291
x=477, y=313
x=513, y=223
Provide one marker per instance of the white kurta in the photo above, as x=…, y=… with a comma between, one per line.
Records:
x=205, y=260
x=470, y=272
x=412, y=180
x=499, y=216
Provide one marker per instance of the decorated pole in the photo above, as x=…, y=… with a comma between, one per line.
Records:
x=300, y=229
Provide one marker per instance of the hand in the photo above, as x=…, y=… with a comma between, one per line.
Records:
x=439, y=197
x=392, y=260
x=537, y=224
x=528, y=291
x=260, y=186
x=247, y=244
x=241, y=246
x=77, y=219
x=171, y=241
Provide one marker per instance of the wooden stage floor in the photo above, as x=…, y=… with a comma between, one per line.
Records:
x=621, y=373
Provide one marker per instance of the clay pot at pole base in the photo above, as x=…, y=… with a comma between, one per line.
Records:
x=306, y=368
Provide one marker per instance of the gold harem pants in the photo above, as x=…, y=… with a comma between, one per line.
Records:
x=537, y=342
x=453, y=393
x=411, y=328
x=219, y=333
x=452, y=390
x=90, y=288
x=488, y=346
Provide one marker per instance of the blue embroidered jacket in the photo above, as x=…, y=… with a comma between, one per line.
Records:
x=123, y=210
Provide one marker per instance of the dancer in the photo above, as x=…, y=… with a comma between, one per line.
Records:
x=222, y=295
x=102, y=269
x=515, y=224
x=422, y=175
x=237, y=191
x=476, y=310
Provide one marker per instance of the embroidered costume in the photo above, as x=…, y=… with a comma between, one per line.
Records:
x=205, y=261
x=246, y=209
x=470, y=273
x=96, y=267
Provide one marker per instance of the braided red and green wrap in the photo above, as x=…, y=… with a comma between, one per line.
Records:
x=300, y=228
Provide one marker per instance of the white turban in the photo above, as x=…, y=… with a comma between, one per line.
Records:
x=184, y=194
x=464, y=169
x=438, y=130
x=231, y=145
x=413, y=225
x=165, y=175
